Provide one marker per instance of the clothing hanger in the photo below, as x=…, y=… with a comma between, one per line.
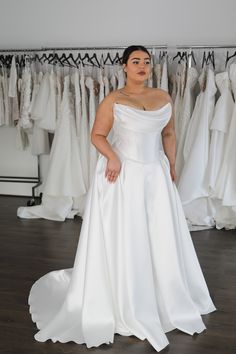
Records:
x=96, y=63
x=44, y=58
x=86, y=57
x=182, y=56
x=163, y=55
x=228, y=57
x=64, y=60
x=79, y=61
x=102, y=62
x=71, y=60
x=213, y=59
x=108, y=58
x=117, y=59
x=190, y=58
x=55, y=59
x=209, y=59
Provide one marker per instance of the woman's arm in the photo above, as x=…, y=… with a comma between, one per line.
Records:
x=101, y=128
x=169, y=142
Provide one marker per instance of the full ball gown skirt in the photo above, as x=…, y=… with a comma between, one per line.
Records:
x=135, y=271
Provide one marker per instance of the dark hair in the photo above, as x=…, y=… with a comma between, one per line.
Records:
x=131, y=49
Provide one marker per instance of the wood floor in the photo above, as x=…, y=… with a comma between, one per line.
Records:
x=31, y=248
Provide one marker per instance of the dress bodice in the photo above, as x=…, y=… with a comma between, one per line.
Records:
x=137, y=133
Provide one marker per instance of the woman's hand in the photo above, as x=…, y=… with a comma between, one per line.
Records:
x=112, y=169
x=173, y=173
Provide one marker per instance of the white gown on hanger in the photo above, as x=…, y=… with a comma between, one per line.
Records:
x=157, y=75
x=193, y=184
x=178, y=101
x=186, y=112
x=7, y=107
x=220, y=129
x=64, y=184
x=93, y=154
x=135, y=271
x=39, y=139
x=2, y=108
x=225, y=186
x=26, y=88
x=121, y=79
x=164, y=76
x=82, y=123
x=12, y=94
x=44, y=109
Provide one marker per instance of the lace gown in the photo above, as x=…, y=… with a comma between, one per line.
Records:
x=135, y=271
x=193, y=185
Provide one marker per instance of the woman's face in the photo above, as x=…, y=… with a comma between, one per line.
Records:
x=138, y=66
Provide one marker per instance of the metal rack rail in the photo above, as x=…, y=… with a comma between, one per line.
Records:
x=21, y=179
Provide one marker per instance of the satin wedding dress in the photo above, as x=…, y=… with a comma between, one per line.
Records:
x=135, y=271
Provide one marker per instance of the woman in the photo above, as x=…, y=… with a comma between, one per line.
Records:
x=135, y=271
x=136, y=64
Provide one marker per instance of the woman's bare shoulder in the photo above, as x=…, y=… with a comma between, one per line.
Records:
x=157, y=92
x=106, y=105
x=111, y=98
x=160, y=94
x=114, y=95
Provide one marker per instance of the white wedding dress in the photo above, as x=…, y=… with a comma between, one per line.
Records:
x=136, y=271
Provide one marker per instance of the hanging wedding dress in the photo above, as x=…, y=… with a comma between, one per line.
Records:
x=186, y=112
x=157, y=75
x=220, y=130
x=178, y=100
x=39, y=139
x=121, y=78
x=23, y=123
x=44, y=109
x=25, y=98
x=93, y=154
x=2, y=108
x=6, y=99
x=164, y=76
x=135, y=271
x=225, y=185
x=64, y=182
x=193, y=186
x=83, y=124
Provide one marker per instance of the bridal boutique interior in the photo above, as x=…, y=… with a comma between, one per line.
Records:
x=55, y=69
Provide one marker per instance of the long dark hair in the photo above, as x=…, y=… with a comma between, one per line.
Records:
x=131, y=49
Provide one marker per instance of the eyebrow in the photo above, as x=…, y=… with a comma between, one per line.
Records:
x=140, y=58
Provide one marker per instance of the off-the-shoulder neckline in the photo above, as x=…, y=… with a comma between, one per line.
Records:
x=142, y=110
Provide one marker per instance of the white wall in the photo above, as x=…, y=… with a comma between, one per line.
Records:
x=44, y=23
x=33, y=23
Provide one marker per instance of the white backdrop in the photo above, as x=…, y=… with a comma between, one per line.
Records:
x=34, y=24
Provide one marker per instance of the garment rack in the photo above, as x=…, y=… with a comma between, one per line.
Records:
x=20, y=179
x=15, y=179
x=154, y=46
